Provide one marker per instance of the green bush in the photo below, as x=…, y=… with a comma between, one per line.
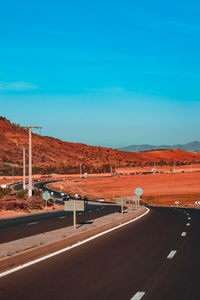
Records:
x=37, y=192
x=21, y=194
x=4, y=192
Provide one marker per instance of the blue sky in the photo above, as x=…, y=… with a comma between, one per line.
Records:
x=109, y=73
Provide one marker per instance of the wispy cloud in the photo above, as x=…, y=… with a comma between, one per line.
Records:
x=17, y=86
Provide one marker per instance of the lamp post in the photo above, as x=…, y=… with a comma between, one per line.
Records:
x=30, y=184
x=24, y=169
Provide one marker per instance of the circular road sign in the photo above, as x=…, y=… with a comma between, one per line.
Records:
x=176, y=202
x=138, y=191
x=46, y=195
x=199, y=202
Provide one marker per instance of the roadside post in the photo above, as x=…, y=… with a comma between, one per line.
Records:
x=139, y=192
x=120, y=201
x=177, y=203
x=46, y=196
x=136, y=199
x=74, y=205
x=52, y=196
x=75, y=214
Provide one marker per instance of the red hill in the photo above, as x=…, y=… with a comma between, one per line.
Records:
x=51, y=155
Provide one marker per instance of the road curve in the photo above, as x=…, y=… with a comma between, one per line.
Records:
x=149, y=259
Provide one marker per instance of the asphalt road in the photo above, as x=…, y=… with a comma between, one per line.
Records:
x=128, y=263
x=21, y=227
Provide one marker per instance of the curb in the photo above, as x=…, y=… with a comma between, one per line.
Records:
x=26, y=256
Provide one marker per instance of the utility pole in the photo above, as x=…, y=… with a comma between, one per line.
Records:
x=174, y=167
x=24, y=169
x=12, y=174
x=30, y=183
x=80, y=170
x=110, y=170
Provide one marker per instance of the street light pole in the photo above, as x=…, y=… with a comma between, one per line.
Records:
x=24, y=169
x=30, y=184
x=80, y=170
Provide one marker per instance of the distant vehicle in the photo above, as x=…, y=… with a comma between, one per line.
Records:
x=85, y=200
x=78, y=197
x=101, y=200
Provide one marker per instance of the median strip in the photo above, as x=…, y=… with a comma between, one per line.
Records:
x=70, y=242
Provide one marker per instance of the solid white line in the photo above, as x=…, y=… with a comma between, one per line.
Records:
x=71, y=247
x=138, y=296
x=188, y=224
x=62, y=217
x=171, y=254
x=33, y=223
x=183, y=233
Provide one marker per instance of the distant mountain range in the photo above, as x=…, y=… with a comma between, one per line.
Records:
x=193, y=147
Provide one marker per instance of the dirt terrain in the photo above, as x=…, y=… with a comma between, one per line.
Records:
x=51, y=155
x=159, y=189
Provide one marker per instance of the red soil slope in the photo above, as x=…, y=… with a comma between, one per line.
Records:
x=51, y=155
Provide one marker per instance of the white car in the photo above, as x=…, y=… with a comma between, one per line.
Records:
x=101, y=199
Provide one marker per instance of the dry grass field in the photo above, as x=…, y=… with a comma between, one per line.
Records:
x=159, y=189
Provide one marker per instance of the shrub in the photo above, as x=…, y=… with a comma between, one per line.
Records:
x=4, y=192
x=37, y=192
x=21, y=194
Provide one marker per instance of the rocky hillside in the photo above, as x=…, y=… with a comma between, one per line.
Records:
x=51, y=155
x=193, y=146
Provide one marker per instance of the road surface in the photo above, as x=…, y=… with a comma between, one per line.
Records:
x=156, y=257
x=21, y=227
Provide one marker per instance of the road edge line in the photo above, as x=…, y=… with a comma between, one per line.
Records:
x=25, y=265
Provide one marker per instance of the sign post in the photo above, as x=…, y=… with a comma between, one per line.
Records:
x=138, y=192
x=122, y=206
x=75, y=214
x=136, y=199
x=46, y=196
x=74, y=205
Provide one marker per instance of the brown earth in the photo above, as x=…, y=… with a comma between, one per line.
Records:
x=159, y=189
x=51, y=155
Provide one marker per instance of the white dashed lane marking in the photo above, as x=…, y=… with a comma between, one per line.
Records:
x=188, y=224
x=138, y=296
x=33, y=223
x=183, y=233
x=171, y=254
x=62, y=217
x=189, y=218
